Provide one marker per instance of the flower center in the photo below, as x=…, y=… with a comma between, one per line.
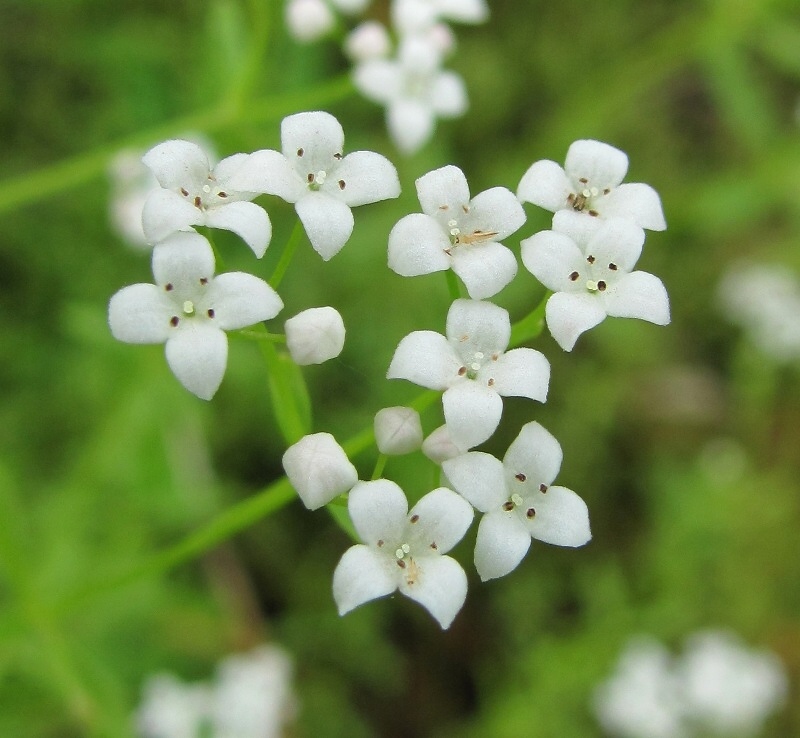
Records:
x=188, y=307
x=209, y=195
x=583, y=199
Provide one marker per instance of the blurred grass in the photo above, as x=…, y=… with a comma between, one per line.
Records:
x=683, y=441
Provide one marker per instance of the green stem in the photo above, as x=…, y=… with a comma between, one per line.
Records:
x=287, y=255
x=259, y=335
x=218, y=260
x=531, y=325
x=380, y=464
x=453, y=284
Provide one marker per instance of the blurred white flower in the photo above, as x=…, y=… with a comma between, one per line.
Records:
x=416, y=16
x=192, y=193
x=398, y=430
x=590, y=184
x=404, y=550
x=518, y=500
x=591, y=273
x=454, y=231
x=368, y=40
x=131, y=183
x=309, y=20
x=172, y=709
x=473, y=368
x=323, y=184
x=189, y=310
x=315, y=335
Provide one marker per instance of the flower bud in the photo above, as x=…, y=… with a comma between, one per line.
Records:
x=318, y=469
x=397, y=430
x=370, y=40
x=308, y=20
x=315, y=335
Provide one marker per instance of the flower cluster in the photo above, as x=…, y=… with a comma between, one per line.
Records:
x=717, y=687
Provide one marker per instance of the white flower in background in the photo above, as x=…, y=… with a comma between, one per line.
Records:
x=765, y=301
x=318, y=469
x=189, y=310
x=315, y=335
x=439, y=446
x=473, y=368
x=518, y=500
x=309, y=20
x=368, y=40
x=398, y=430
x=192, y=193
x=728, y=688
x=172, y=709
x=404, y=550
x=591, y=274
x=322, y=183
x=589, y=184
x=454, y=231
x=252, y=695
x=414, y=90
x=416, y=16
x=131, y=183
x=641, y=699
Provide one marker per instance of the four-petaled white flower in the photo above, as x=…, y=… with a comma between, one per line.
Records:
x=192, y=193
x=189, y=309
x=414, y=90
x=322, y=183
x=589, y=183
x=404, y=550
x=454, y=231
x=471, y=367
x=518, y=500
x=591, y=275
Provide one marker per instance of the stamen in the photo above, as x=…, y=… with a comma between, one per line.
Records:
x=210, y=312
x=222, y=194
x=337, y=155
x=414, y=518
x=341, y=184
x=197, y=201
x=520, y=477
x=543, y=488
x=613, y=267
x=508, y=506
x=300, y=152
x=574, y=276
x=531, y=513
x=380, y=542
x=590, y=259
x=462, y=370
x=184, y=192
x=173, y=321
x=601, y=285
x=593, y=213
x=169, y=287
x=204, y=281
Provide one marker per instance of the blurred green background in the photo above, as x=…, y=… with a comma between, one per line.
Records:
x=684, y=441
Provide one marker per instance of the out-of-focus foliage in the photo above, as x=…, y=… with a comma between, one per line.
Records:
x=684, y=441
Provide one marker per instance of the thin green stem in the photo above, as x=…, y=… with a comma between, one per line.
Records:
x=453, y=284
x=380, y=464
x=259, y=335
x=287, y=255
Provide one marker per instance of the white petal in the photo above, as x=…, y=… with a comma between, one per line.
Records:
x=318, y=133
x=328, y=222
x=637, y=202
x=440, y=587
x=183, y=260
x=417, y=245
x=240, y=299
x=463, y=11
x=379, y=80
x=602, y=165
x=448, y=95
x=440, y=519
x=315, y=335
x=501, y=544
x=165, y=212
x=197, y=354
x=485, y=268
x=361, y=575
x=177, y=163
x=309, y=20
x=439, y=446
x=479, y=478
x=569, y=315
x=443, y=190
x=368, y=40
x=553, y=258
x=639, y=295
x=579, y=226
x=410, y=124
x=472, y=413
x=378, y=510
x=226, y=170
x=618, y=241
x=318, y=469
x=522, y=372
x=139, y=314
x=497, y=210
x=398, y=430
x=363, y=177
x=535, y=453
x=270, y=172
x=245, y=219
x=545, y=184
x=562, y=518
x=478, y=326
x=425, y=358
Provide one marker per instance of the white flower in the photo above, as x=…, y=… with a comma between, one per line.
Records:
x=252, y=696
x=398, y=430
x=309, y=20
x=642, y=698
x=323, y=184
x=172, y=709
x=315, y=335
x=439, y=446
x=471, y=367
x=728, y=688
x=589, y=184
x=454, y=231
x=415, y=16
x=368, y=40
x=193, y=194
x=132, y=182
x=318, y=469
x=414, y=90
x=591, y=275
x=189, y=310
x=518, y=500
x=404, y=550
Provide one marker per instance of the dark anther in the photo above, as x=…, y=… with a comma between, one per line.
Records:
x=508, y=506
x=197, y=201
x=606, y=191
x=300, y=152
x=380, y=542
x=184, y=192
x=593, y=213
x=337, y=156
x=210, y=312
x=169, y=287
x=222, y=194
x=574, y=276
x=204, y=280
x=531, y=513
x=590, y=259
x=583, y=180
x=414, y=518
x=601, y=285
x=310, y=177
x=462, y=371
x=341, y=184
x=401, y=563
x=542, y=488
x=490, y=383
x=520, y=477
x=613, y=267
x=434, y=546
x=173, y=321
x=465, y=208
